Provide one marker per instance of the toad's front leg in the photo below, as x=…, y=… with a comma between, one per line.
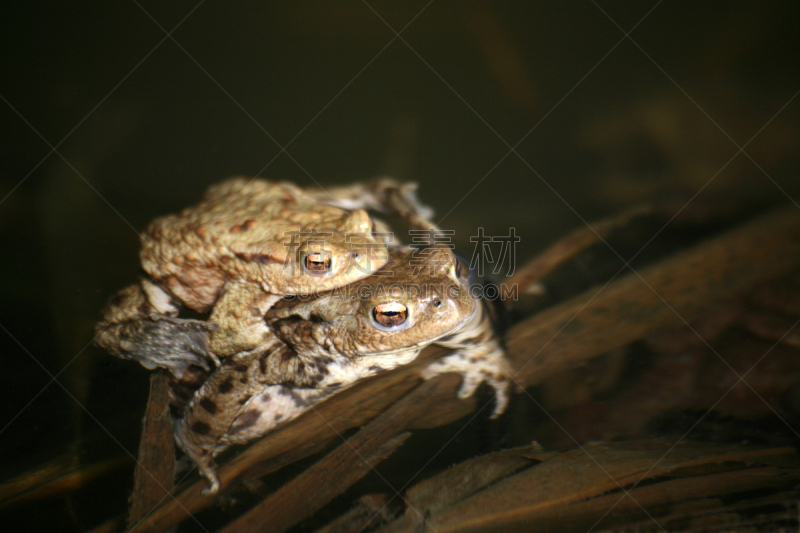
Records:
x=239, y=317
x=478, y=357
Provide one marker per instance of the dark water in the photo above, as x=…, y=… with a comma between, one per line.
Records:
x=109, y=121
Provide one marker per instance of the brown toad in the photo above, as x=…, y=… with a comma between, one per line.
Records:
x=327, y=342
x=246, y=244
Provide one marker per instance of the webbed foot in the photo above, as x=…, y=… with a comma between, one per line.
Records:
x=166, y=342
x=474, y=371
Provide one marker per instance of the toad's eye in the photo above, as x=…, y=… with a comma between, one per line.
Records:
x=390, y=314
x=317, y=263
x=458, y=269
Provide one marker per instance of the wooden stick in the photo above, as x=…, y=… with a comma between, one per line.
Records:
x=559, y=338
x=299, y=438
x=338, y=470
x=155, y=469
x=676, y=289
x=527, y=277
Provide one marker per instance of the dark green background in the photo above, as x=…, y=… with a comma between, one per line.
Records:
x=143, y=123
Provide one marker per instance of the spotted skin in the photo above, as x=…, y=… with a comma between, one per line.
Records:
x=330, y=341
x=247, y=243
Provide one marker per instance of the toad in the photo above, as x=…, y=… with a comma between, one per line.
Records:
x=327, y=342
x=245, y=245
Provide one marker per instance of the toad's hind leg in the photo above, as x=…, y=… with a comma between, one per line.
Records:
x=139, y=323
x=384, y=195
x=214, y=407
x=215, y=415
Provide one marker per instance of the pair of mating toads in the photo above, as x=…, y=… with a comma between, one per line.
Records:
x=305, y=297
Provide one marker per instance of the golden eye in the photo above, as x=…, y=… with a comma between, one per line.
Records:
x=317, y=263
x=458, y=269
x=390, y=314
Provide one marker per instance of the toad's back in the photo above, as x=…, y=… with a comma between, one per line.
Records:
x=242, y=228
